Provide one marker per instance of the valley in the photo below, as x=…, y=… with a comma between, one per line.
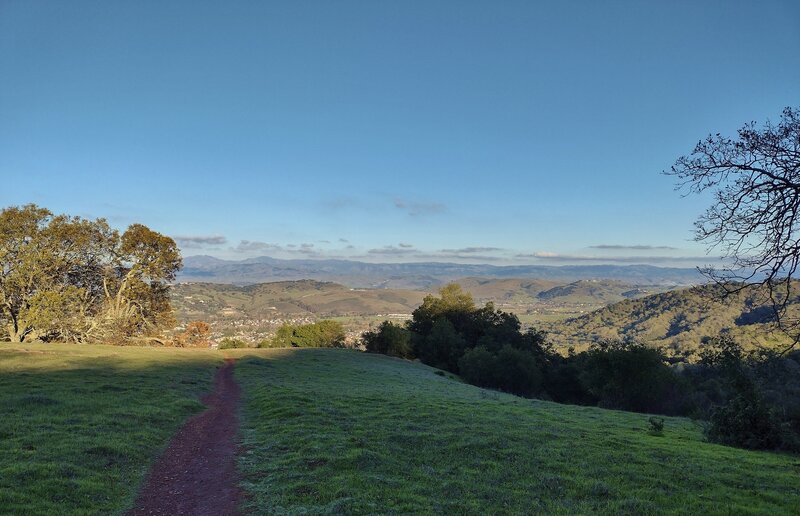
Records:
x=254, y=312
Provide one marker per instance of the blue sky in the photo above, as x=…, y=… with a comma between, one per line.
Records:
x=505, y=132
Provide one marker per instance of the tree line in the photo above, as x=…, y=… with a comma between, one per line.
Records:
x=69, y=278
x=746, y=399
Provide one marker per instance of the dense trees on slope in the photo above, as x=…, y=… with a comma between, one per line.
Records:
x=70, y=278
x=732, y=389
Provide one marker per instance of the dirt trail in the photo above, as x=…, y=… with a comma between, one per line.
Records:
x=196, y=474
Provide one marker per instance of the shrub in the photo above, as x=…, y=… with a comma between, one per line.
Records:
x=478, y=366
x=510, y=370
x=518, y=371
x=196, y=335
x=442, y=347
x=323, y=334
x=229, y=343
x=746, y=421
x=389, y=339
x=630, y=376
x=656, y=425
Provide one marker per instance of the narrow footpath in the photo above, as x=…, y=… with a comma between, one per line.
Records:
x=196, y=474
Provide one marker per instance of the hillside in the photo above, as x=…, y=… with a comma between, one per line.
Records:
x=336, y=431
x=254, y=311
x=678, y=319
x=596, y=292
x=331, y=431
x=414, y=275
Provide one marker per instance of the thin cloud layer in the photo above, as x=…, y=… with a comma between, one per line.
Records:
x=250, y=246
x=200, y=240
x=416, y=209
x=617, y=247
x=391, y=250
x=558, y=257
x=470, y=250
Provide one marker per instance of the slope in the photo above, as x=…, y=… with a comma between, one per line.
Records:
x=334, y=431
x=678, y=319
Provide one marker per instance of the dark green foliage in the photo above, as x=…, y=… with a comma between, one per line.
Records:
x=656, y=425
x=442, y=346
x=519, y=371
x=756, y=396
x=323, y=334
x=478, y=366
x=746, y=421
x=630, y=376
x=752, y=400
x=229, y=343
x=484, y=345
x=510, y=370
x=389, y=339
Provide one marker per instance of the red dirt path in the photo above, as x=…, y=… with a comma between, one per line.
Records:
x=196, y=474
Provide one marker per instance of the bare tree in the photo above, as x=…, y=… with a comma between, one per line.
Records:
x=753, y=221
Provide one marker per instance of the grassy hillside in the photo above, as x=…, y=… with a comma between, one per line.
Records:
x=81, y=424
x=677, y=319
x=340, y=431
x=327, y=431
x=506, y=290
x=596, y=292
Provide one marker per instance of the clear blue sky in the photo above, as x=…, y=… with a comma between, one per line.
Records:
x=482, y=131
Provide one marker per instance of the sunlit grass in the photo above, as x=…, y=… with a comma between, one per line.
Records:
x=81, y=424
x=339, y=431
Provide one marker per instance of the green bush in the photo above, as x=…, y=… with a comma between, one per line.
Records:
x=757, y=411
x=323, y=334
x=478, y=366
x=389, y=339
x=745, y=421
x=510, y=370
x=631, y=376
x=229, y=343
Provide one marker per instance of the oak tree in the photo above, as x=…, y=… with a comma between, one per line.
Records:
x=754, y=219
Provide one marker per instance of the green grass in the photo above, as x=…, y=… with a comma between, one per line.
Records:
x=327, y=431
x=80, y=425
x=332, y=431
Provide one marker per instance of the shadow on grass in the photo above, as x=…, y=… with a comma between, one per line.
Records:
x=80, y=432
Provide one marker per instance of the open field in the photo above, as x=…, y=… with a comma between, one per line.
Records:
x=81, y=424
x=326, y=431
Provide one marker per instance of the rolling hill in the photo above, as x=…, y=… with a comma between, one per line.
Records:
x=253, y=312
x=342, y=432
x=678, y=319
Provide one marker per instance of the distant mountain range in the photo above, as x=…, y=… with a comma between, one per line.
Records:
x=415, y=275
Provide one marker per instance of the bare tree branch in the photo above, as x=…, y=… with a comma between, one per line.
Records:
x=753, y=221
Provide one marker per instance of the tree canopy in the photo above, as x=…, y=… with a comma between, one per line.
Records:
x=70, y=278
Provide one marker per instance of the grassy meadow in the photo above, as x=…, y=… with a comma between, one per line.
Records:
x=336, y=431
x=82, y=424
